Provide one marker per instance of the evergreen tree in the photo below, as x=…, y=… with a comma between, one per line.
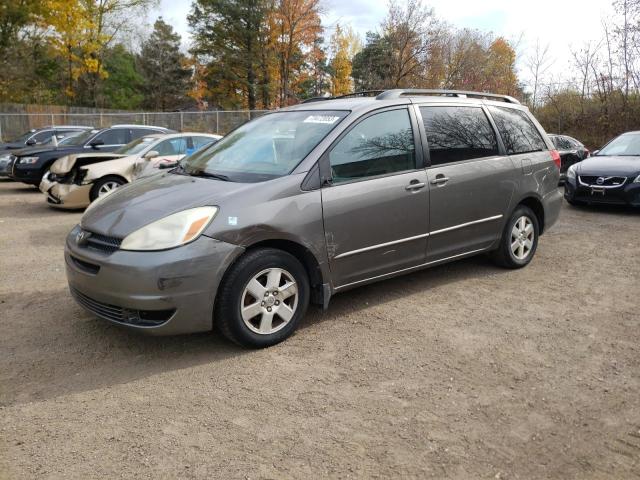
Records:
x=229, y=38
x=163, y=69
x=123, y=88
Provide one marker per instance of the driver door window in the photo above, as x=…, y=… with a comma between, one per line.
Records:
x=381, y=144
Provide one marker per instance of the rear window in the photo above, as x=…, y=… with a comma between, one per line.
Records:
x=455, y=134
x=518, y=132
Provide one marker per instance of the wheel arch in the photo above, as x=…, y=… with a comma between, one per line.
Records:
x=317, y=281
x=535, y=204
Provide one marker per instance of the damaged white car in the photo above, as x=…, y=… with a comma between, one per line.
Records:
x=75, y=181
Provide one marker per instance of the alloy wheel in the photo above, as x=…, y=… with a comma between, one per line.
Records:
x=269, y=301
x=522, y=237
x=107, y=187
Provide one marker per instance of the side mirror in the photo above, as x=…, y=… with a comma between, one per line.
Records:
x=96, y=143
x=151, y=154
x=31, y=142
x=164, y=166
x=595, y=152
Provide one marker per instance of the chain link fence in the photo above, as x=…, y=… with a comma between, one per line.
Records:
x=217, y=121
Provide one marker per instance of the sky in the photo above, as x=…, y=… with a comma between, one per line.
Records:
x=563, y=24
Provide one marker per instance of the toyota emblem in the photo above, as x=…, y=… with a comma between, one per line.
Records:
x=82, y=237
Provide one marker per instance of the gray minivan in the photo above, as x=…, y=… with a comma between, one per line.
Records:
x=312, y=200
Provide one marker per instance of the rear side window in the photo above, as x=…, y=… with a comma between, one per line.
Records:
x=380, y=144
x=173, y=146
x=200, y=141
x=141, y=132
x=518, y=132
x=116, y=136
x=455, y=134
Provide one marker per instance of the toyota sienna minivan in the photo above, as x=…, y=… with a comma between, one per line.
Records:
x=303, y=203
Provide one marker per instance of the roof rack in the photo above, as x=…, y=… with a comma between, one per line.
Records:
x=363, y=93
x=408, y=92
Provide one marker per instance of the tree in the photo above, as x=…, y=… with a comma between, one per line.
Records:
x=123, y=88
x=372, y=65
x=344, y=45
x=407, y=32
x=538, y=64
x=230, y=40
x=296, y=27
x=163, y=68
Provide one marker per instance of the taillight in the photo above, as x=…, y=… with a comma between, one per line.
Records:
x=556, y=158
x=587, y=153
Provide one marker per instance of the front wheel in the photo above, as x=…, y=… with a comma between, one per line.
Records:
x=262, y=298
x=519, y=239
x=104, y=186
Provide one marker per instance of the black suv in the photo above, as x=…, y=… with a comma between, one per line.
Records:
x=28, y=165
x=40, y=136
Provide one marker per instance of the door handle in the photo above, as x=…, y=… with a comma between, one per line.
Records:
x=439, y=180
x=415, y=185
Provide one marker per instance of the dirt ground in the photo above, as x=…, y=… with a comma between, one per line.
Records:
x=463, y=371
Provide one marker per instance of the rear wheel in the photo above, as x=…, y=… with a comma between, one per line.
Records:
x=262, y=298
x=519, y=239
x=104, y=186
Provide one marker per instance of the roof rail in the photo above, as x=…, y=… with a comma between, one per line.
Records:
x=363, y=93
x=408, y=92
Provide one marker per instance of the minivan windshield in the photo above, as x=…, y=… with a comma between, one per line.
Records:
x=268, y=147
x=626, y=145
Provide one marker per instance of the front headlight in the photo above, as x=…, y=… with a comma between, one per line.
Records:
x=172, y=231
x=28, y=160
x=637, y=180
x=571, y=172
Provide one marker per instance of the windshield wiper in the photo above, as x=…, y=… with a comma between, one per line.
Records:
x=202, y=173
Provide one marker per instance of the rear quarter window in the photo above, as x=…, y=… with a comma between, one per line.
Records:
x=518, y=132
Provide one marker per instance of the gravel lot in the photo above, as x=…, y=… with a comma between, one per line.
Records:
x=463, y=371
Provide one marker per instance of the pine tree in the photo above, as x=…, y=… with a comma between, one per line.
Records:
x=163, y=68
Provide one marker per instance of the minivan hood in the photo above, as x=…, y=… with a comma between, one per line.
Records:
x=149, y=199
x=609, y=165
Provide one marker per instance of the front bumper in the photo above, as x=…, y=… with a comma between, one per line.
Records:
x=6, y=165
x=627, y=194
x=163, y=293
x=26, y=174
x=65, y=195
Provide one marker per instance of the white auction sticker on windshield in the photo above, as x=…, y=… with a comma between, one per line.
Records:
x=326, y=119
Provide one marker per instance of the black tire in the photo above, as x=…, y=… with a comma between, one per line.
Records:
x=504, y=255
x=231, y=295
x=95, y=190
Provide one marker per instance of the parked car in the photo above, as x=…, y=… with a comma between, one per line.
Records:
x=41, y=136
x=571, y=151
x=74, y=181
x=312, y=200
x=28, y=165
x=610, y=176
x=54, y=140
x=164, y=163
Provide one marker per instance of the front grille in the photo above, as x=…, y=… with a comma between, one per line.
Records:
x=602, y=181
x=102, y=243
x=139, y=318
